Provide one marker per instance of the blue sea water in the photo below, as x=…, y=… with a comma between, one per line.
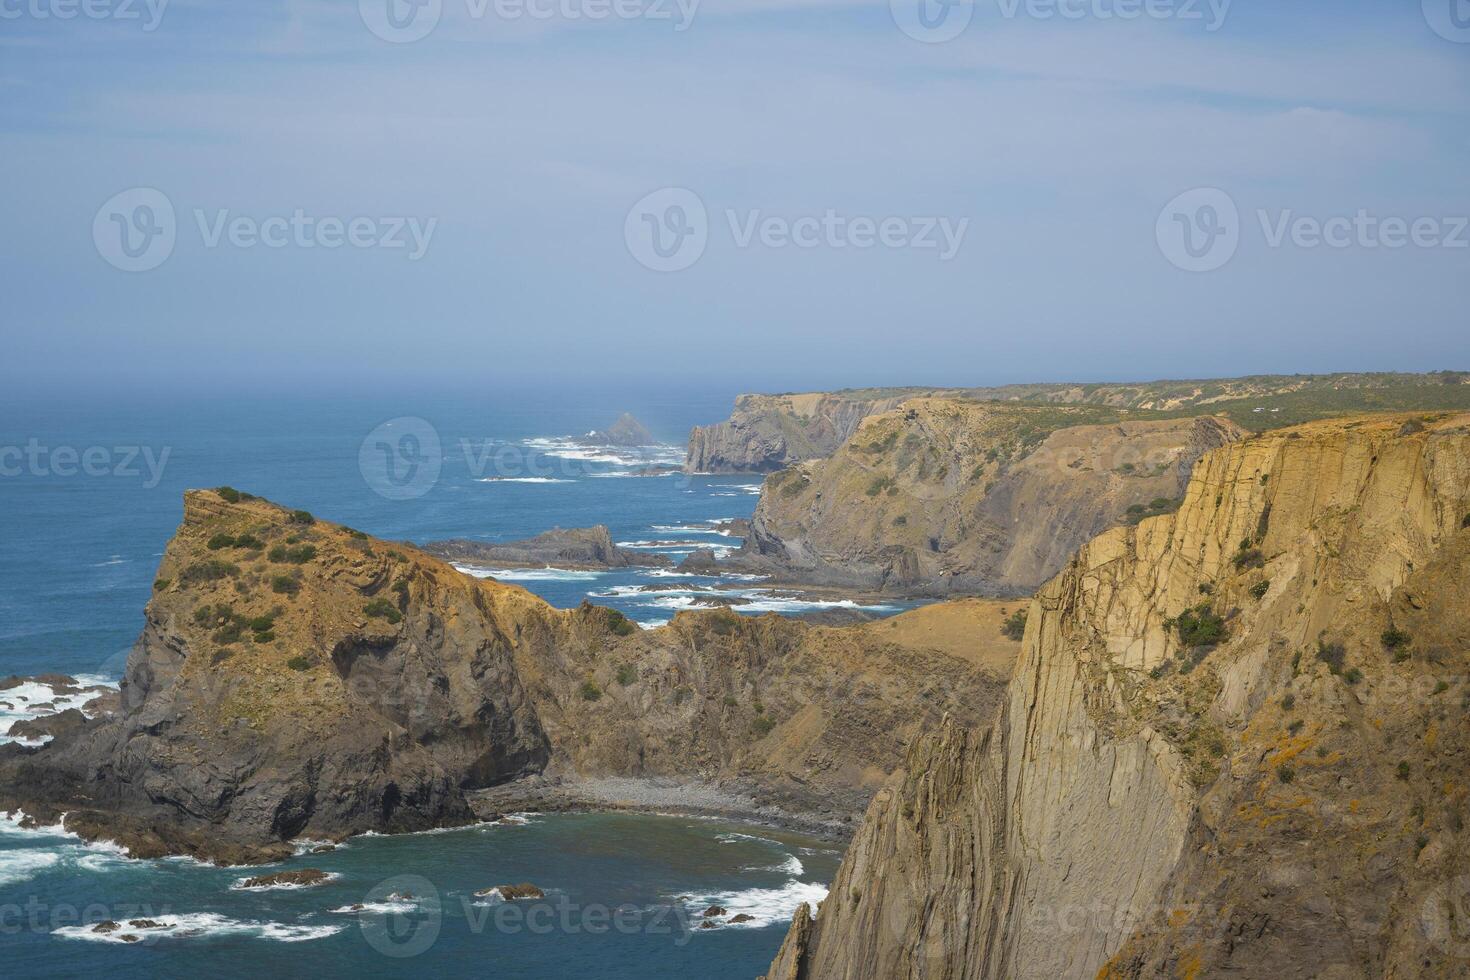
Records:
x=91, y=489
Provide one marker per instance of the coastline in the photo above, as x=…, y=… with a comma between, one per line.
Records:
x=669, y=797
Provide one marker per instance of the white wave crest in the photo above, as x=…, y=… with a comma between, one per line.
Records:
x=200, y=925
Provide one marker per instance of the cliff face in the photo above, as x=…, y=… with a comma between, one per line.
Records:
x=297, y=678
x=1235, y=744
x=770, y=432
x=944, y=495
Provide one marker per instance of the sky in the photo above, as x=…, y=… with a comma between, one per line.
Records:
x=767, y=194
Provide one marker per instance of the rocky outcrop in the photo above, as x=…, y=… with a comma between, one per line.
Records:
x=627, y=432
x=577, y=548
x=1235, y=744
x=770, y=432
x=966, y=496
x=296, y=678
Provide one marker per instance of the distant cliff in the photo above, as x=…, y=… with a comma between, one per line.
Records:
x=770, y=432
x=953, y=495
x=1235, y=745
x=299, y=678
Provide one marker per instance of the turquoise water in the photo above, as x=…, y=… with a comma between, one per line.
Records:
x=78, y=552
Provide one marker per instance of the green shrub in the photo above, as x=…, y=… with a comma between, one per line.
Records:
x=762, y=726
x=355, y=534
x=1296, y=726
x=1260, y=589
x=900, y=520
x=620, y=624
x=292, y=555
x=1441, y=687
x=1285, y=773
x=265, y=637
x=299, y=663
x=1403, y=770
x=249, y=542
x=1331, y=654
x=880, y=485
x=1352, y=675
x=1394, y=638
x=1288, y=702
x=159, y=584
x=1249, y=558
x=590, y=691
x=1200, y=627
x=1015, y=625
x=208, y=571
x=1206, y=588
x=301, y=517
x=730, y=701
x=220, y=541
x=229, y=633
x=383, y=609
x=285, y=584
x=627, y=675
x=1466, y=522
x=263, y=624
x=230, y=494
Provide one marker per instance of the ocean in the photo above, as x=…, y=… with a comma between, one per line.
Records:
x=90, y=492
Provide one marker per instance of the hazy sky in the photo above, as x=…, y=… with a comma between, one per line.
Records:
x=991, y=207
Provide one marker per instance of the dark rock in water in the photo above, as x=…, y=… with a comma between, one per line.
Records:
x=713, y=911
x=575, y=548
x=129, y=938
x=64, y=723
x=303, y=877
x=146, y=924
x=106, y=927
x=701, y=562
x=324, y=849
x=707, y=925
x=742, y=917
x=626, y=431
x=513, y=892
x=400, y=897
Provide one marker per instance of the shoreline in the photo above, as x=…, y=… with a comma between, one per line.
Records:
x=659, y=796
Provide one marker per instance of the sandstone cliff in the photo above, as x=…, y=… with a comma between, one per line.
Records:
x=946, y=495
x=1235, y=745
x=298, y=678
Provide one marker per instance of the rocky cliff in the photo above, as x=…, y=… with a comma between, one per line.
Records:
x=298, y=678
x=769, y=432
x=946, y=495
x=1235, y=744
